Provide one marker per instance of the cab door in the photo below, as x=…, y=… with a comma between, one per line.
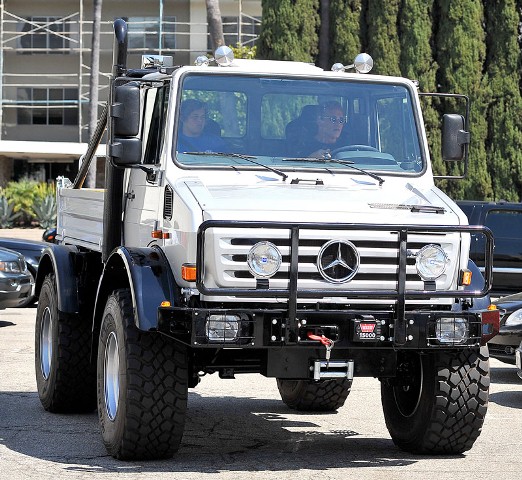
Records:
x=144, y=185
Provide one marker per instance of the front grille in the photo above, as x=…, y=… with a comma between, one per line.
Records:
x=378, y=252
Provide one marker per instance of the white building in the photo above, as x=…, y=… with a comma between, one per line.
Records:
x=45, y=61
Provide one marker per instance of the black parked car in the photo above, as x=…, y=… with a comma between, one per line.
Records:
x=505, y=221
x=16, y=283
x=32, y=251
x=504, y=345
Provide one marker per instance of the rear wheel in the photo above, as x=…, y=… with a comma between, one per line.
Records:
x=65, y=377
x=142, y=386
x=438, y=402
x=308, y=395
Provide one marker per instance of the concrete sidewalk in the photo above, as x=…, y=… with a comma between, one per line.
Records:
x=23, y=233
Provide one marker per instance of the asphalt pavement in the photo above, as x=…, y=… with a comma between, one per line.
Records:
x=239, y=429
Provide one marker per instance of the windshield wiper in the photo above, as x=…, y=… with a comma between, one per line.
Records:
x=327, y=159
x=248, y=158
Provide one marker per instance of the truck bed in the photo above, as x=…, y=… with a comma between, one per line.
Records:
x=80, y=217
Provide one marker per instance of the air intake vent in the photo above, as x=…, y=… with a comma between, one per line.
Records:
x=167, y=203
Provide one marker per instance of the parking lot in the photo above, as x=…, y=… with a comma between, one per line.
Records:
x=240, y=429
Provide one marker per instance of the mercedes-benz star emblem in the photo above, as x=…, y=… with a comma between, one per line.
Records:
x=338, y=261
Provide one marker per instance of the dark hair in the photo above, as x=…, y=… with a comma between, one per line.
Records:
x=189, y=106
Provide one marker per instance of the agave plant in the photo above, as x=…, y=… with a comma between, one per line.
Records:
x=7, y=216
x=45, y=211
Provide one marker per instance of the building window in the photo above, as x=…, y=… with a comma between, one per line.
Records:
x=47, y=106
x=44, y=35
x=250, y=30
x=144, y=33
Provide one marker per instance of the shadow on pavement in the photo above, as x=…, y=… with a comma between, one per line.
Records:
x=221, y=434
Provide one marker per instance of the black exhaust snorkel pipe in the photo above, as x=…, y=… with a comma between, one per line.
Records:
x=113, y=200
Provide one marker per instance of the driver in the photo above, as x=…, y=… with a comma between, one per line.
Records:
x=330, y=121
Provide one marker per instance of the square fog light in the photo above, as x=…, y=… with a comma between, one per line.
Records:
x=222, y=328
x=452, y=330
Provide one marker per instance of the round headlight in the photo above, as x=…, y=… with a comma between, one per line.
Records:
x=431, y=262
x=264, y=259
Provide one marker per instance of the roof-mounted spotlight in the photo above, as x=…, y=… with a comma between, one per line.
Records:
x=363, y=63
x=223, y=56
x=202, y=61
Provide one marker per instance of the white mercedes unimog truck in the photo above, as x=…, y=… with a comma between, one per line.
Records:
x=257, y=258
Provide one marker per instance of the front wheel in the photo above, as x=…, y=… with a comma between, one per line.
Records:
x=308, y=395
x=438, y=402
x=142, y=386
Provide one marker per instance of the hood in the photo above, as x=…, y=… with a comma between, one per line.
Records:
x=360, y=201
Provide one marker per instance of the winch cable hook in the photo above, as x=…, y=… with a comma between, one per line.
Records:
x=328, y=343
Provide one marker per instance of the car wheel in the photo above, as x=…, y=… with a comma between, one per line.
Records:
x=65, y=377
x=142, y=386
x=438, y=402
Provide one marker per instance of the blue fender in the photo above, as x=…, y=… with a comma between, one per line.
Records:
x=60, y=260
x=147, y=273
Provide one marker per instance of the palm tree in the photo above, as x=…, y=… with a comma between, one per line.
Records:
x=90, y=180
x=215, y=24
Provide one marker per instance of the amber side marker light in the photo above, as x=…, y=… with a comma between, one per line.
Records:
x=465, y=277
x=159, y=234
x=165, y=303
x=492, y=307
x=188, y=272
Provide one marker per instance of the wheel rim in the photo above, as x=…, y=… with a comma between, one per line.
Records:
x=111, y=377
x=46, y=343
x=407, y=397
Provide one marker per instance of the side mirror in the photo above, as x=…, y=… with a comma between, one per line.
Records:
x=125, y=110
x=125, y=148
x=454, y=137
x=125, y=151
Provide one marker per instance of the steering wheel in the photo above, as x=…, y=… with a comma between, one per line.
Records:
x=354, y=148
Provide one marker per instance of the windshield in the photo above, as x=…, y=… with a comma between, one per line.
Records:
x=283, y=122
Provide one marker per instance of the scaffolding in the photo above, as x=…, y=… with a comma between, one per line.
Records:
x=70, y=35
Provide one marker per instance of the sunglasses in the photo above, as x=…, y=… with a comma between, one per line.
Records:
x=341, y=120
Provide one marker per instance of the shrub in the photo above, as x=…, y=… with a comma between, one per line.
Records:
x=45, y=211
x=7, y=217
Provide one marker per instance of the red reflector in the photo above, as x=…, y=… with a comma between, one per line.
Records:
x=490, y=325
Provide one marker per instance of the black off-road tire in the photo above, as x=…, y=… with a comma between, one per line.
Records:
x=142, y=386
x=442, y=408
x=308, y=395
x=65, y=377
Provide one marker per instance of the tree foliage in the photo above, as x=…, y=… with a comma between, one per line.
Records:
x=382, y=35
x=504, y=143
x=289, y=30
x=470, y=47
x=347, y=30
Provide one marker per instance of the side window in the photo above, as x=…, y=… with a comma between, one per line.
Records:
x=154, y=119
x=505, y=223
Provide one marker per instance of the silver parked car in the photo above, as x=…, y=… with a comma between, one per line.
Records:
x=518, y=359
x=16, y=283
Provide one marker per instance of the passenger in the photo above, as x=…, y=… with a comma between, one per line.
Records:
x=330, y=121
x=193, y=136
